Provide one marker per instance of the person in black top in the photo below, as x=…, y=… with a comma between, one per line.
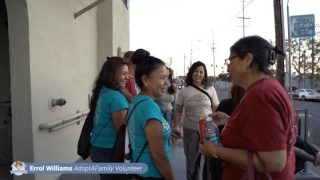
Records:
x=226, y=106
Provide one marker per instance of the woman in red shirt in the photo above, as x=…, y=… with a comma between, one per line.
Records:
x=263, y=123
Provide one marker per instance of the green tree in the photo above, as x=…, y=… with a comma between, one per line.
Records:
x=305, y=54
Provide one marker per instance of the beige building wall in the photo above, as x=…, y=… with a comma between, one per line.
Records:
x=54, y=55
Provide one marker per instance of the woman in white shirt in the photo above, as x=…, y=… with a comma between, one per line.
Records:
x=196, y=105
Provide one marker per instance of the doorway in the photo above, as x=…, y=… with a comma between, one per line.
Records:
x=5, y=97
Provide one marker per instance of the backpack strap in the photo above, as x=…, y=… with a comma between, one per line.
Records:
x=126, y=122
x=128, y=117
x=144, y=147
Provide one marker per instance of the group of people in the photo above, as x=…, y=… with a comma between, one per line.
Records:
x=129, y=86
x=258, y=121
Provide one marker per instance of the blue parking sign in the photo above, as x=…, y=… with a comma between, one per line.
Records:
x=302, y=26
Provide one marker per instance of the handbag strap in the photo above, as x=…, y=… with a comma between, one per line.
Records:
x=250, y=169
x=204, y=92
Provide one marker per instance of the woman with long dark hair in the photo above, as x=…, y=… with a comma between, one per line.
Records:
x=197, y=105
x=110, y=107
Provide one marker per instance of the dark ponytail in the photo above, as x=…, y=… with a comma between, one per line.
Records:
x=145, y=64
x=264, y=54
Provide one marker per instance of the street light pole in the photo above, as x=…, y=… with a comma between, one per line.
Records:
x=289, y=52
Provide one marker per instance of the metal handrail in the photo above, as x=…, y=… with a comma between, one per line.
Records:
x=58, y=124
x=84, y=10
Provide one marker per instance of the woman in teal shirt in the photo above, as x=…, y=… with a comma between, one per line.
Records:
x=146, y=125
x=110, y=107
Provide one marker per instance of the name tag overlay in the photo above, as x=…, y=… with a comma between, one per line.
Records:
x=19, y=168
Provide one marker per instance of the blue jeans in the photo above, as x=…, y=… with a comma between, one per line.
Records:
x=101, y=155
x=168, y=115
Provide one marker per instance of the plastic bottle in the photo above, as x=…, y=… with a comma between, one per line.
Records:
x=212, y=131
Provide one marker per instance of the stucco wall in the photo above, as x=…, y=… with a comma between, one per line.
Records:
x=113, y=17
x=120, y=27
x=22, y=138
x=105, y=43
x=54, y=55
x=62, y=58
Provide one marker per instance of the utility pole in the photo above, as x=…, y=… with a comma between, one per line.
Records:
x=243, y=18
x=190, y=56
x=214, y=60
x=279, y=30
x=243, y=28
x=184, y=64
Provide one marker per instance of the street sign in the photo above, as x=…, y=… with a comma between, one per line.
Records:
x=302, y=26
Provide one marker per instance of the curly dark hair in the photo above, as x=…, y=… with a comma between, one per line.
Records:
x=193, y=67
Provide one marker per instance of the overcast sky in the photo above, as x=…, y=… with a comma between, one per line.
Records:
x=170, y=29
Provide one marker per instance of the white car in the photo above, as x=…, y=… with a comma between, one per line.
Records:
x=305, y=94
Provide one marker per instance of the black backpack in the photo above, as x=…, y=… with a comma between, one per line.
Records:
x=84, y=139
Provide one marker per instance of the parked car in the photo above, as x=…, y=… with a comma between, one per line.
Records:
x=305, y=94
x=180, y=86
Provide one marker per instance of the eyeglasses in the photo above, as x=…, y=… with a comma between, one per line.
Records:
x=227, y=61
